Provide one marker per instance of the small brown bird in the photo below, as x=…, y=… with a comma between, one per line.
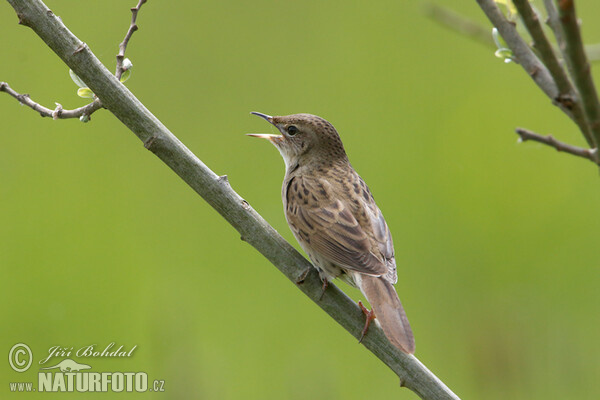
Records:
x=333, y=215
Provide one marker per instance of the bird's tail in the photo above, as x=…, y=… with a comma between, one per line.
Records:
x=388, y=310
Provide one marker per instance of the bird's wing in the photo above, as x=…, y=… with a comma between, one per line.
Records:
x=329, y=225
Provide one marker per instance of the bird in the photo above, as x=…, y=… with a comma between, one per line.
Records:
x=333, y=216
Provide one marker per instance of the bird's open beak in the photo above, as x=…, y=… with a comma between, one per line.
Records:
x=267, y=136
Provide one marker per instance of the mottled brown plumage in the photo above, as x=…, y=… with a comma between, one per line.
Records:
x=333, y=215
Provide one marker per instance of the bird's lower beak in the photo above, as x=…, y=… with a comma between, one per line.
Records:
x=268, y=136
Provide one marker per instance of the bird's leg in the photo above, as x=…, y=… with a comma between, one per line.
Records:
x=370, y=314
x=324, y=288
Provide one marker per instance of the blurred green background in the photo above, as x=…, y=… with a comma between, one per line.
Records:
x=100, y=242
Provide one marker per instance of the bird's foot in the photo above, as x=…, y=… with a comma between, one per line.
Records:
x=370, y=314
x=324, y=288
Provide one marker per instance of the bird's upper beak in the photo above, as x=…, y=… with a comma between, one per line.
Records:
x=268, y=136
x=264, y=116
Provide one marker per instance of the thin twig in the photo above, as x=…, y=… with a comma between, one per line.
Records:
x=590, y=154
x=579, y=66
x=543, y=46
x=554, y=24
x=218, y=193
x=567, y=94
x=123, y=46
x=58, y=112
x=453, y=20
x=524, y=55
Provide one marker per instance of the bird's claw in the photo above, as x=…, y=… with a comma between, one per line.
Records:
x=370, y=314
x=323, y=288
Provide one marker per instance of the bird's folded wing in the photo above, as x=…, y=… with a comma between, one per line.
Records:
x=332, y=229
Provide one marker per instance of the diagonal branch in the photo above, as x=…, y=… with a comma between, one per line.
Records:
x=579, y=66
x=219, y=194
x=567, y=94
x=524, y=55
x=123, y=46
x=58, y=112
x=590, y=154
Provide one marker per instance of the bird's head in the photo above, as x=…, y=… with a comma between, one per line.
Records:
x=304, y=138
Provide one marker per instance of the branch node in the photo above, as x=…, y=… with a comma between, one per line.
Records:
x=534, y=71
x=150, y=142
x=223, y=180
x=22, y=19
x=23, y=98
x=50, y=13
x=80, y=48
x=245, y=205
x=57, y=111
x=300, y=279
x=566, y=100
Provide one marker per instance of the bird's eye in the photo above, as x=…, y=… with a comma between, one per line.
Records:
x=292, y=130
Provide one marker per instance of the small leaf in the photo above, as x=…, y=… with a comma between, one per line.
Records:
x=503, y=53
x=84, y=118
x=77, y=79
x=85, y=93
x=126, y=75
x=497, y=38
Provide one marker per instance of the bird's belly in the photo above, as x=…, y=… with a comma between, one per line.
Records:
x=327, y=269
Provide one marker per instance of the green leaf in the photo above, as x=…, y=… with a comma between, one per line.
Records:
x=77, y=79
x=126, y=75
x=85, y=92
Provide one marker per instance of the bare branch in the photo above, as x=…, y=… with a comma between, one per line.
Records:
x=542, y=45
x=579, y=66
x=567, y=94
x=123, y=46
x=453, y=20
x=218, y=193
x=554, y=24
x=58, y=112
x=590, y=154
x=524, y=55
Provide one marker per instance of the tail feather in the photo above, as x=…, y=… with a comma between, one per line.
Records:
x=388, y=310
